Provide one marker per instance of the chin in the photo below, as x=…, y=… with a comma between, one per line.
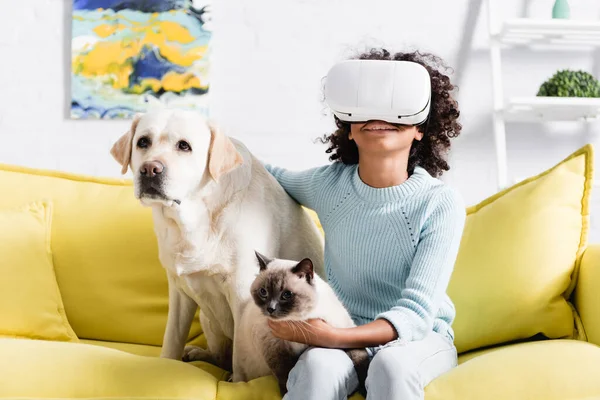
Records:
x=152, y=200
x=383, y=143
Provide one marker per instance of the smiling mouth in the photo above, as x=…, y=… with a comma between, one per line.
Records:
x=379, y=127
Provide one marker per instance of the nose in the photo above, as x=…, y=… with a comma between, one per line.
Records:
x=152, y=168
x=270, y=310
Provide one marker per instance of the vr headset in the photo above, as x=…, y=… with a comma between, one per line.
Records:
x=398, y=92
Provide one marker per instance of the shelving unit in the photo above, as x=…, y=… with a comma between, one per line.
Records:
x=545, y=109
x=552, y=32
x=544, y=34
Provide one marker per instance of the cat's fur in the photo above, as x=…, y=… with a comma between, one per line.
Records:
x=286, y=290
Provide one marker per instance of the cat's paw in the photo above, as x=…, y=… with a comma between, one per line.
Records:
x=195, y=353
x=237, y=377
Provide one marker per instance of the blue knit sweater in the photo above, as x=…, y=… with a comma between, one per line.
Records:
x=389, y=253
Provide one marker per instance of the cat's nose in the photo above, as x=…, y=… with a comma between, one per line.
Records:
x=270, y=310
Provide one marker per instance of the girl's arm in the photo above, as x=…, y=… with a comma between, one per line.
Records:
x=412, y=316
x=318, y=333
x=302, y=186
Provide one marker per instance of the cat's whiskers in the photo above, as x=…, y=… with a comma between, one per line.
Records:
x=305, y=332
x=313, y=327
x=296, y=327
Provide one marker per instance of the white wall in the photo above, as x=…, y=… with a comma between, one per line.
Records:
x=269, y=59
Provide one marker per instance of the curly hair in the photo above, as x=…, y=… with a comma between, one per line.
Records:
x=442, y=125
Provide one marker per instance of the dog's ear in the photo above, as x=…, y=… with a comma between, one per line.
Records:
x=121, y=150
x=263, y=261
x=223, y=157
x=305, y=269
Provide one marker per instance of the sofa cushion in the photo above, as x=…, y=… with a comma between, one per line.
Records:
x=554, y=369
x=549, y=370
x=30, y=301
x=587, y=293
x=517, y=261
x=133, y=348
x=141, y=349
x=105, y=254
x=31, y=369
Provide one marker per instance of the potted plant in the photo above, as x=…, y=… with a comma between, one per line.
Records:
x=568, y=83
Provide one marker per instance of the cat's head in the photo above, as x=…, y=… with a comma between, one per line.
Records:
x=284, y=289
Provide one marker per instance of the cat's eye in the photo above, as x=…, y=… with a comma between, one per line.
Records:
x=184, y=146
x=143, y=143
x=286, y=295
x=262, y=292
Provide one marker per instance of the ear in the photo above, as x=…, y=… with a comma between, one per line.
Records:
x=304, y=269
x=418, y=133
x=263, y=261
x=223, y=157
x=121, y=150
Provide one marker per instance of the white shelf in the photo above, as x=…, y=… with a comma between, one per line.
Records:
x=538, y=109
x=551, y=32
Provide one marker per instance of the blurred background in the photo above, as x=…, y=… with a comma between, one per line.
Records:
x=267, y=62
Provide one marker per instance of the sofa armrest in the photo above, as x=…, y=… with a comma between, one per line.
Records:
x=587, y=293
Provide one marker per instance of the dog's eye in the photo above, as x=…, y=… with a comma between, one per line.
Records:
x=143, y=143
x=262, y=292
x=184, y=146
x=286, y=295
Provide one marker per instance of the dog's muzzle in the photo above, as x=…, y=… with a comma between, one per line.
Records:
x=151, y=182
x=151, y=179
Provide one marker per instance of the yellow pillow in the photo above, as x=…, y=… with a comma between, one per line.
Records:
x=518, y=258
x=30, y=301
x=105, y=254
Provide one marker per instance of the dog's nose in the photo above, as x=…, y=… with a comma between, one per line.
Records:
x=271, y=310
x=152, y=168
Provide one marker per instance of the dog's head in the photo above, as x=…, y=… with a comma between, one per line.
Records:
x=171, y=153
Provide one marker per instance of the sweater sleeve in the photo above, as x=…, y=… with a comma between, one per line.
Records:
x=431, y=269
x=302, y=186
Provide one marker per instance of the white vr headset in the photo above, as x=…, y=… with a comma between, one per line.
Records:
x=398, y=92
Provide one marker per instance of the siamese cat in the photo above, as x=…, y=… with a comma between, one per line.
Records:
x=286, y=290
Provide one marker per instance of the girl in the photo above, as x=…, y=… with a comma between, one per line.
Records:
x=392, y=235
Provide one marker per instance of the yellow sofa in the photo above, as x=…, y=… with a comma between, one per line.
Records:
x=526, y=287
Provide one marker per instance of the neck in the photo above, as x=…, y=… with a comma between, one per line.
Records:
x=200, y=211
x=383, y=171
x=189, y=218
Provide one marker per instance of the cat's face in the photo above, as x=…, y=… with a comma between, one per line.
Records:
x=284, y=289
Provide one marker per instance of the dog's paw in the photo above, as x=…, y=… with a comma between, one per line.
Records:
x=195, y=353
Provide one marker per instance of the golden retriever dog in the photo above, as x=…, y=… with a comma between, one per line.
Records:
x=213, y=205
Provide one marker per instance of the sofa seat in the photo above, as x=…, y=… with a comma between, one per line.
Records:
x=544, y=370
x=42, y=369
x=139, y=349
x=557, y=369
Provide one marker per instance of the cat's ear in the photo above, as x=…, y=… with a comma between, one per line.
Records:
x=263, y=261
x=304, y=269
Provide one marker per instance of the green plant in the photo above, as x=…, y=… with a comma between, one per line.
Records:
x=567, y=83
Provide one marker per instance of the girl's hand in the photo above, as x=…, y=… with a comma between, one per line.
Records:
x=314, y=332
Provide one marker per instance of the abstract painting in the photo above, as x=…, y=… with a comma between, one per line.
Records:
x=130, y=55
